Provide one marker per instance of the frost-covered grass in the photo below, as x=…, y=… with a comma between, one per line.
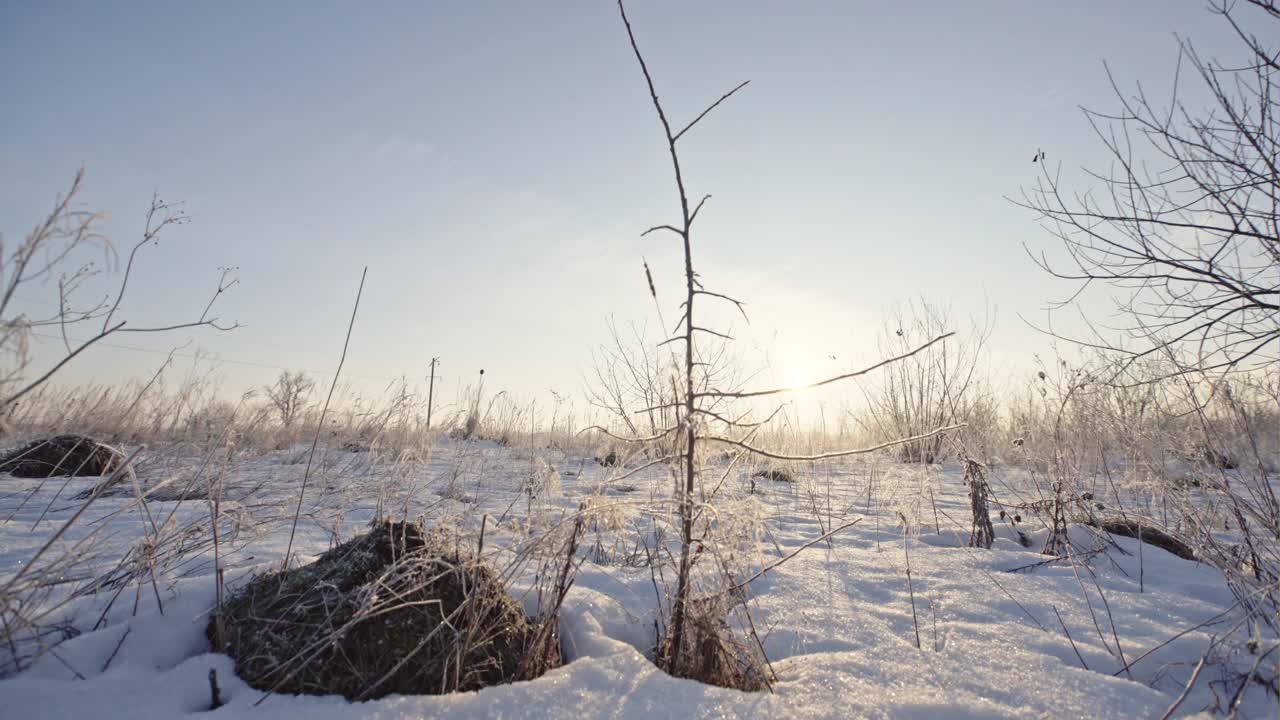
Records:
x=1115, y=631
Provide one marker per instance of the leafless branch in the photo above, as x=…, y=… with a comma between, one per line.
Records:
x=828, y=381
x=834, y=454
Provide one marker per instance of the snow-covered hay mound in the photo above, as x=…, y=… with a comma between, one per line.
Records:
x=62, y=455
x=393, y=611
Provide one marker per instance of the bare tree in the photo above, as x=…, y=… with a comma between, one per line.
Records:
x=52, y=252
x=1186, y=221
x=700, y=405
x=289, y=395
x=1183, y=231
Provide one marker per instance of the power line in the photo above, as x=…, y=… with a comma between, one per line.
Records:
x=197, y=356
x=218, y=358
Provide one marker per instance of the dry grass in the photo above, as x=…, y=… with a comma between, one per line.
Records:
x=713, y=652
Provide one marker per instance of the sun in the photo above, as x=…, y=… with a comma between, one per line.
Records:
x=795, y=373
x=797, y=380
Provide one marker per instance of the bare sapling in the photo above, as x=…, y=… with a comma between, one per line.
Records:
x=698, y=407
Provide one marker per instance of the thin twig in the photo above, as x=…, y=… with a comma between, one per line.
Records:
x=828, y=381
x=320, y=425
x=761, y=573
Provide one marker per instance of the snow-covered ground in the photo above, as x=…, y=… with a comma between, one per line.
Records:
x=1000, y=633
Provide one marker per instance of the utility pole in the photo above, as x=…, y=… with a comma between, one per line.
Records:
x=431, y=389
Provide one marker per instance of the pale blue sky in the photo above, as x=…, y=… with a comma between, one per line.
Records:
x=493, y=163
